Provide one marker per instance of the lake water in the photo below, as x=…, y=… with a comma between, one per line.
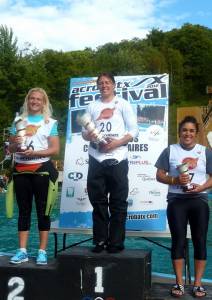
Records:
x=161, y=262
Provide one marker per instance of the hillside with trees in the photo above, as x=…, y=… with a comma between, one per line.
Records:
x=185, y=54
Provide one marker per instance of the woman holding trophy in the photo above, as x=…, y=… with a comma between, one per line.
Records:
x=34, y=139
x=187, y=168
x=109, y=124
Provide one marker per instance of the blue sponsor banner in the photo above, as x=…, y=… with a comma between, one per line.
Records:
x=148, y=95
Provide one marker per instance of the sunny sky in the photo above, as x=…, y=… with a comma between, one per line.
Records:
x=76, y=24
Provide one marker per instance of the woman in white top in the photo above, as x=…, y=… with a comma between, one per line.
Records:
x=107, y=179
x=187, y=200
x=33, y=169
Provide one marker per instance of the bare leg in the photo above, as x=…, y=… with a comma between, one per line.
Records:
x=199, y=267
x=43, y=239
x=178, y=265
x=23, y=238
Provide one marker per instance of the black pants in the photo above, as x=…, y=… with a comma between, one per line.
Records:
x=27, y=186
x=180, y=212
x=107, y=184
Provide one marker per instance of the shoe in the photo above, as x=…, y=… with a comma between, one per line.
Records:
x=19, y=257
x=199, y=292
x=41, y=258
x=177, y=290
x=99, y=247
x=114, y=249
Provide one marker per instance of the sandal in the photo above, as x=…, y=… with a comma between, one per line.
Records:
x=177, y=290
x=197, y=290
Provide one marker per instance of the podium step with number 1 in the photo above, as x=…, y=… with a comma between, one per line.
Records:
x=79, y=274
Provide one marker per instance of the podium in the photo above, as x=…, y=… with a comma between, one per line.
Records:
x=79, y=274
x=121, y=276
x=27, y=281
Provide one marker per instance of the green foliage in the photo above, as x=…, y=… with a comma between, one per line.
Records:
x=194, y=42
x=8, y=47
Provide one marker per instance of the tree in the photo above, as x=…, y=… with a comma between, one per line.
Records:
x=194, y=42
x=8, y=47
x=8, y=64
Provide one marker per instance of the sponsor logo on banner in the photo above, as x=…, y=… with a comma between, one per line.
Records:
x=155, y=193
x=155, y=133
x=134, y=90
x=81, y=161
x=140, y=162
x=70, y=192
x=136, y=159
x=75, y=176
x=147, y=202
x=82, y=198
x=136, y=217
x=134, y=191
x=145, y=177
x=135, y=156
x=142, y=216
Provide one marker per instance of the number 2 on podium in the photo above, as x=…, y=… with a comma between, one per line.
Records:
x=13, y=295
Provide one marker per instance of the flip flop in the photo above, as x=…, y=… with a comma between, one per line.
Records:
x=177, y=290
x=199, y=289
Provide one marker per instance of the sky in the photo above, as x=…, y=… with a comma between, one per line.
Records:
x=67, y=25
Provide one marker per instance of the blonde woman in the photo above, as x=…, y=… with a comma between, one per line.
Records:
x=41, y=142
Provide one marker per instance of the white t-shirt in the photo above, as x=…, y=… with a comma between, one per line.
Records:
x=37, y=133
x=113, y=119
x=196, y=159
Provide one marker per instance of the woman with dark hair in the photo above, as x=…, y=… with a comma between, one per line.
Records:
x=187, y=168
x=33, y=169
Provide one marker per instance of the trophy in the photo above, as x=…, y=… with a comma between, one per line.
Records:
x=20, y=132
x=183, y=169
x=86, y=122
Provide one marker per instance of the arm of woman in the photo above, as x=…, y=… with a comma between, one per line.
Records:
x=53, y=148
x=89, y=136
x=161, y=176
x=115, y=143
x=162, y=165
x=198, y=188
